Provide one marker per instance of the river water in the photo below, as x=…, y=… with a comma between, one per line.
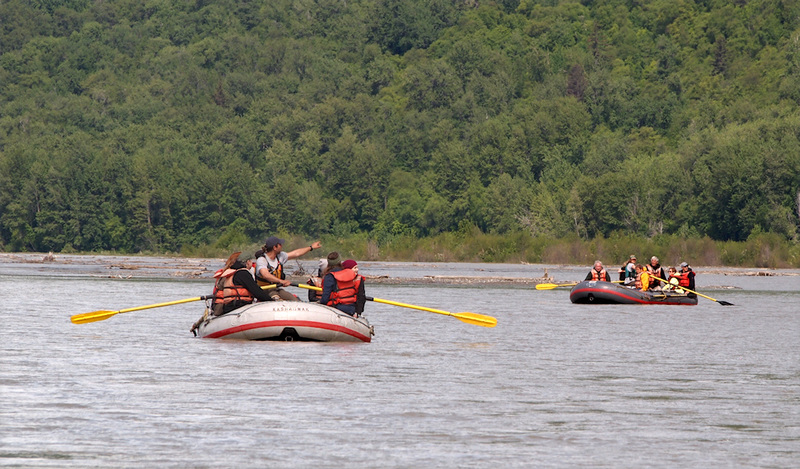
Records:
x=553, y=385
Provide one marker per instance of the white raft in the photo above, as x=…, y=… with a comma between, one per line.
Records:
x=287, y=321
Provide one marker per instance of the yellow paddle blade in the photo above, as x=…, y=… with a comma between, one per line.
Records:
x=476, y=319
x=722, y=302
x=469, y=318
x=92, y=317
x=550, y=286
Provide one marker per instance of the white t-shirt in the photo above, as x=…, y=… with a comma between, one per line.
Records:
x=265, y=262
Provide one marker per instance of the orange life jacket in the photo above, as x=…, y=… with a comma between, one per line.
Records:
x=683, y=279
x=277, y=272
x=347, y=283
x=599, y=275
x=655, y=272
x=226, y=291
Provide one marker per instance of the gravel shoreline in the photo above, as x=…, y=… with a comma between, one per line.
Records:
x=132, y=267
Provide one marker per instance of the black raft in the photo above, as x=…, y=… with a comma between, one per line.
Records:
x=597, y=292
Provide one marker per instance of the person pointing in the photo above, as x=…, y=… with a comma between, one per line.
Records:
x=270, y=266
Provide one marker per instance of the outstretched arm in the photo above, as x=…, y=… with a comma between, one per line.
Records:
x=303, y=251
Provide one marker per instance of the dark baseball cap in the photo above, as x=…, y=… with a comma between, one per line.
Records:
x=273, y=241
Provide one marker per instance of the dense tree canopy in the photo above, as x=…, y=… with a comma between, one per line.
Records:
x=148, y=126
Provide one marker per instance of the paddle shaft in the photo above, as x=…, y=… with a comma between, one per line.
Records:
x=723, y=303
x=388, y=302
x=550, y=286
x=471, y=318
x=103, y=315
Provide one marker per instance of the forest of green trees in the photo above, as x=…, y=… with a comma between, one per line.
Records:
x=150, y=126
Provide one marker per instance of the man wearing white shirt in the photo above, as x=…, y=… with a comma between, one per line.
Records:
x=270, y=266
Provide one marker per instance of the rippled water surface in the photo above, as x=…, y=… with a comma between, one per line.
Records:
x=553, y=385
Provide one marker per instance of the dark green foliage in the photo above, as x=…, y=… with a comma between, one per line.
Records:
x=162, y=126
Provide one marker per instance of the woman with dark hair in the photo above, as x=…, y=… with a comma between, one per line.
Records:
x=235, y=287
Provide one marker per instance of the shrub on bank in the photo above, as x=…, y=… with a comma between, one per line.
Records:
x=763, y=250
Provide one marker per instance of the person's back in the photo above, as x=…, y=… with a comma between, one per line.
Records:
x=234, y=288
x=361, y=295
x=339, y=286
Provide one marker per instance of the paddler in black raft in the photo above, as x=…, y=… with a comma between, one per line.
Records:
x=598, y=272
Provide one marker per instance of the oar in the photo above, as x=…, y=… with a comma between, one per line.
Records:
x=103, y=315
x=723, y=303
x=469, y=318
x=550, y=286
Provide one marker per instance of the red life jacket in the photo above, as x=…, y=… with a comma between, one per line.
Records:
x=683, y=279
x=225, y=290
x=672, y=285
x=599, y=275
x=347, y=283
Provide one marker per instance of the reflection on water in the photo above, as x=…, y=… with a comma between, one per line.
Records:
x=554, y=384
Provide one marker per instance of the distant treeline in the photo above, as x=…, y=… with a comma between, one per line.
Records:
x=169, y=125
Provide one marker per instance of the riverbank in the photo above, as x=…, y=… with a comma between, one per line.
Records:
x=763, y=250
x=154, y=267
